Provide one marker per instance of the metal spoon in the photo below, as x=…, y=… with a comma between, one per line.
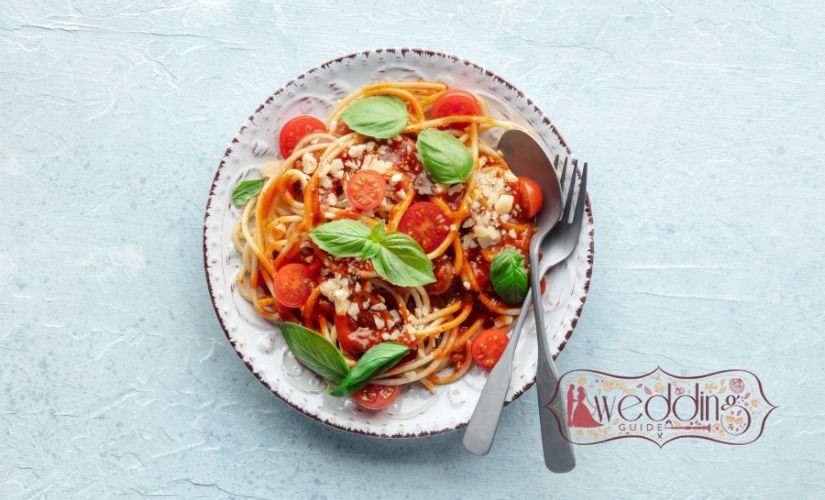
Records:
x=525, y=157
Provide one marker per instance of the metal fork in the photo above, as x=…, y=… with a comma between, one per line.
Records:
x=478, y=438
x=558, y=453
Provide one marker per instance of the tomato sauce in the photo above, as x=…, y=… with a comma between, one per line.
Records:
x=403, y=154
x=454, y=197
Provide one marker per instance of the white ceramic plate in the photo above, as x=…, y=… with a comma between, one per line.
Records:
x=416, y=412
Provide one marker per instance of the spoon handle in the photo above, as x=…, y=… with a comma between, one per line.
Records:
x=478, y=438
x=558, y=453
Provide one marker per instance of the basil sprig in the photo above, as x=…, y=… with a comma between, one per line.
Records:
x=378, y=359
x=380, y=116
x=315, y=352
x=509, y=276
x=247, y=190
x=447, y=159
x=395, y=256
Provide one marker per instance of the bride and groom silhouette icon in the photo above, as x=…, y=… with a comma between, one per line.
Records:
x=579, y=415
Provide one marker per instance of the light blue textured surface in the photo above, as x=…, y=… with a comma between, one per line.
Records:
x=703, y=126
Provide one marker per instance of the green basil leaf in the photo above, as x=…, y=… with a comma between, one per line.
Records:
x=447, y=160
x=401, y=261
x=341, y=238
x=370, y=249
x=381, y=116
x=378, y=359
x=509, y=276
x=395, y=256
x=247, y=190
x=378, y=231
x=315, y=352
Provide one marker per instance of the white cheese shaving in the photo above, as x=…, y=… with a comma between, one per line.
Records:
x=486, y=235
x=336, y=290
x=309, y=163
x=504, y=204
x=352, y=310
x=357, y=150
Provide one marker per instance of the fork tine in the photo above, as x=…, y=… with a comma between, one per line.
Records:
x=562, y=183
x=581, y=202
x=568, y=205
x=563, y=172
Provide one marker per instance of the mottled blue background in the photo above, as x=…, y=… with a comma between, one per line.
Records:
x=702, y=122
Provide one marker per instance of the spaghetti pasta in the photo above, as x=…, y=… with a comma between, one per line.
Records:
x=460, y=227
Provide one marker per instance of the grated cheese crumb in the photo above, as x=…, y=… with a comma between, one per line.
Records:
x=504, y=204
x=357, y=150
x=309, y=163
x=336, y=168
x=352, y=310
x=490, y=207
x=336, y=290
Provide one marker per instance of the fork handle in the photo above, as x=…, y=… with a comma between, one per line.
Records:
x=481, y=430
x=558, y=452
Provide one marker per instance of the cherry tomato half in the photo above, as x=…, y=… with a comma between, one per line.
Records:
x=531, y=196
x=488, y=346
x=293, y=285
x=376, y=397
x=366, y=189
x=426, y=223
x=296, y=129
x=456, y=103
